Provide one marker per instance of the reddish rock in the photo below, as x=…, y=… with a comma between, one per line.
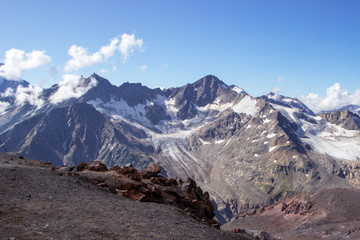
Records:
x=125, y=170
x=159, y=180
x=130, y=172
x=92, y=166
x=151, y=171
x=175, y=191
x=134, y=195
x=168, y=198
x=297, y=207
x=148, y=186
x=127, y=186
x=171, y=182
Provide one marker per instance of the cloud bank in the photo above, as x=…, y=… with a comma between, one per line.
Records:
x=17, y=61
x=23, y=95
x=31, y=94
x=335, y=98
x=126, y=46
x=72, y=86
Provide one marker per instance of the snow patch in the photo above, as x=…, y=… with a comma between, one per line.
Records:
x=267, y=120
x=342, y=147
x=271, y=135
x=247, y=105
x=219, y=141
x=238, y=90
x=272, y=148
x=286, y=111
x=204, y=142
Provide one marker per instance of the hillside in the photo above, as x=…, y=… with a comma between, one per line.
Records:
x=38, y=203
x=247, y=152
x=330, y=214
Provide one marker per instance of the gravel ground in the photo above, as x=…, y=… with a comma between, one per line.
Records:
x=37, y=203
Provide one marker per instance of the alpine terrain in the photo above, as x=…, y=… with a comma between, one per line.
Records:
x=247, y=152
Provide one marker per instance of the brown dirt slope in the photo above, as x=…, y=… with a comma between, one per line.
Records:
x=329, y=214
x=37, y=203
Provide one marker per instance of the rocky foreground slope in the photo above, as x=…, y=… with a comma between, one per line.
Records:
x=41, y=202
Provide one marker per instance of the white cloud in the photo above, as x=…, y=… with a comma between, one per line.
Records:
x=9, y=92
x=30, y=94
x=108, y=51
x=3, y=106
x=165, y=65
x=24, y=95
x=143, y=67
x=81, y=58
x=335, y=98
x=16, y=61
x=126, y=45
x=72, y=86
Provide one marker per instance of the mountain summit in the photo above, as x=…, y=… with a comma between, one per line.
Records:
x=246, y=152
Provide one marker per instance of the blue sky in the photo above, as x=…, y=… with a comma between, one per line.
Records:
x=292, y=47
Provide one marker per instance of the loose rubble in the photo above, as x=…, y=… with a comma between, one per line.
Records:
x=149, y=186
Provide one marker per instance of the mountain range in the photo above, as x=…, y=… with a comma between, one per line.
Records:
x=247, y=152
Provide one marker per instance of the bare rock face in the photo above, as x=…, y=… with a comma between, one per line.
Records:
x=346, y=119
x=148, y=186
x=297, y=206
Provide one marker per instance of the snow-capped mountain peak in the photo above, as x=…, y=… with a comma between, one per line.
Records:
x=245, y=151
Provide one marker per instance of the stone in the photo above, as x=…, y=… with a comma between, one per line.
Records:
x=134, y=195
x=130, y=172
x=151, y=171
x=148, y=186
x=92, y=166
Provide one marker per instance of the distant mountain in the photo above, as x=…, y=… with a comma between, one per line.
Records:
x=353, y=108
x=247, y=152
x=345, y=119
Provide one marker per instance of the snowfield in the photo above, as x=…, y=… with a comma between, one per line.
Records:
x=323, y=137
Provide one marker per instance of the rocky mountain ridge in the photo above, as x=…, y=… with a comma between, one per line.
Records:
x=246, y=152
